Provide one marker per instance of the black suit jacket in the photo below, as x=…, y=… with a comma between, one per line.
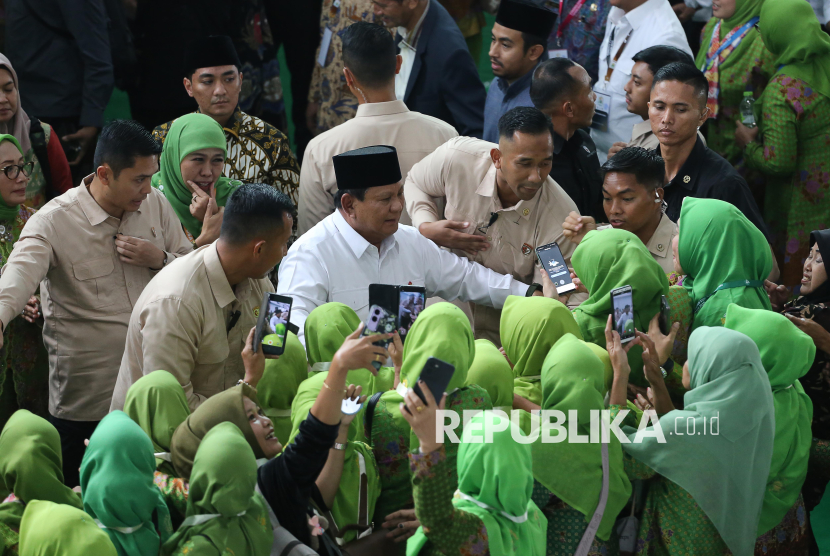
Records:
x=444, y=81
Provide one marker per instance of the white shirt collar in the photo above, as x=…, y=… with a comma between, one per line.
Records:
x=356, y=242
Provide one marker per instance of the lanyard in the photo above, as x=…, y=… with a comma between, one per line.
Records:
x=728, y=286
x=563, y=23
x=613, y=63
x=737, y=36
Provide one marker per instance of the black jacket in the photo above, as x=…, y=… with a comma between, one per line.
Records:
x=576, y=169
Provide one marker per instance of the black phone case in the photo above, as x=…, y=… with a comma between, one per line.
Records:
x=263, y=310
x=436, y=374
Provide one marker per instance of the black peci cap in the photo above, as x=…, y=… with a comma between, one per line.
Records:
x=525, y=17
x=367, y=167
x=209, y=52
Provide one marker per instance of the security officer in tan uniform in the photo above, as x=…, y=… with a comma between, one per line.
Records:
x=500, y=203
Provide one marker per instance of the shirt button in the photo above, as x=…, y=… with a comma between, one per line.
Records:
x=525, y=212
x=686, y=179
x=489, y=238
x=659, y=246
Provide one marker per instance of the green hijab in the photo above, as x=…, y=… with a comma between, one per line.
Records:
x=50, y=529
x=793, y=34
x=279, y=383
x=225, y=406
x=222, y=485
x=609, y=259
x=744, y=11
x=118, y=488
x=717, y=244
x=573, y=379
x=787, y=354
x=528, y=328
x=188, y=134
x=158, y=404
x=728, y=383
x=9, y=212
x=491, y=371
x=495, y=479
x=31, y=466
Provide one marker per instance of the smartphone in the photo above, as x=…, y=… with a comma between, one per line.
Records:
x=552, y=261
x=665, y=316
x=622, y=304
x=412, y=300
x=350, y=406
x=272, y=324
x=437, y=375
x=383, y=313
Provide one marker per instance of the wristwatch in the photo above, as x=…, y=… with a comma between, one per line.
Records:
x=667, y=367
x=534, y=287
x=339, y=446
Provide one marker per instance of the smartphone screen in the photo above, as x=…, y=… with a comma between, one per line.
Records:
x=665, y=315
x=622, y=303
x=272, y=325
x=436, y=374
x=412, y=300
x=554, y=264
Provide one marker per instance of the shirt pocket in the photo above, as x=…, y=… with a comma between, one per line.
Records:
x=356, y=298
x=94, y=282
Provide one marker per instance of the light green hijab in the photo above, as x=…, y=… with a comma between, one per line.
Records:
x=158, y=404
x=573, y=379
x=744, y=11
x=50, y=529
x=279, y=383
x=609, y=259
x=222, y=486
x=8, y=212
x=31, y=466
x=787, y=354
x=495, y=479
x=188, y=134
x=491, y=371
x=118, y=488
x=528, y=328
x=794, y=35
x=717, y=244
x=729, y=383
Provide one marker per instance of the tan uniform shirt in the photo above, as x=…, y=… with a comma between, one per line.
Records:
x=87, y=293
x=660, y=243
x=414, y=135
x=462, y=172
x=642, y=136
x=180, y=325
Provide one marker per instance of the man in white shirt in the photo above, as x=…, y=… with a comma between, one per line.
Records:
x=633, y=25
x=370, y=68
x=362, y=243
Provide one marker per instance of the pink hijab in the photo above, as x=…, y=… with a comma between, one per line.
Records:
x=20, y=123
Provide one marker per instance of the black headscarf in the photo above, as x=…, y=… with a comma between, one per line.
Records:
x=822, y=293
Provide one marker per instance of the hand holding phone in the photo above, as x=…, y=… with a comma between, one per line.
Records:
x=553, y=263
x=436, y=374
x=423, y=416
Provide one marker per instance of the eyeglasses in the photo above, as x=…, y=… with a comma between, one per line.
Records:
x=14, y=170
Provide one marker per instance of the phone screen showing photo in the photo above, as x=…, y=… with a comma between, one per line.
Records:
x=553, y=263
x=410, y=306
x=275, y=325
x=623, y=306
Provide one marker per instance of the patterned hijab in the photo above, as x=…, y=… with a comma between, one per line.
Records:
x=50, y=529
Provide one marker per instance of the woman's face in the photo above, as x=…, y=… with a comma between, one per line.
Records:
x=9, y=100
x=687, y=378
x=814, y=272
x=263, y=429
x=13, y=191
x=723, y=9
x=203, y=167
x=677, y=268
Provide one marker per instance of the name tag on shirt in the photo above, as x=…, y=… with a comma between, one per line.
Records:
x=557, y=53
x=602, y=111
x=324, y=47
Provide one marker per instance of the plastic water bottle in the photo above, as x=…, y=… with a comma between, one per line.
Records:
x=747, y=114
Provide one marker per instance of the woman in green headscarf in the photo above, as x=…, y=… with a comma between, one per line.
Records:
x=744, y=65
x=50, y=529
x=609, y=259
x=707, y=464
x=190, y=173
x=787, y=354
x=724, y=257
x=118, y=489
x=792, y=117
x=24, y=365
x=491, y=511
x=279, y=384
x=224, y=513
x=569, y=474
x=491, y=371
x=31, y=468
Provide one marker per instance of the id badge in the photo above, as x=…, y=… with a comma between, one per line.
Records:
x=557, y=53
x=324, y=47
x=602, y=111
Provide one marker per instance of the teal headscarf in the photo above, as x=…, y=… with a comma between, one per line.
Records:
x=728, y=384
x=8, y=212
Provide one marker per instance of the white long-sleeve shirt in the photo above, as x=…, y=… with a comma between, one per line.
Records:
x=332, y=262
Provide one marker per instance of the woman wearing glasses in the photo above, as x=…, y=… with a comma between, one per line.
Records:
x=23, y=362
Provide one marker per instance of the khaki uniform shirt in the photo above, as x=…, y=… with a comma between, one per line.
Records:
x=180, y=325
x=462, y=172
x=413, y=135
x=87, y=293
x=660, y=243
x=642, y=136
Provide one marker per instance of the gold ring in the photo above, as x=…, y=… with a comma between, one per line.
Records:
x=419, y=408
x=378, y=358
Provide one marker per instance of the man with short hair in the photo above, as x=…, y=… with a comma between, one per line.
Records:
x=438, y=77
x=194, y=318
x=257, y=151
x=362, y=243
x=92, y=250
x=632, y=195
x=638, y=91
x=561, y=89
x=520, y=36
x=370, y=68
x=500, y=202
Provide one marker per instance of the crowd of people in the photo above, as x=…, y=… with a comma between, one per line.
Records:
x=674, y=156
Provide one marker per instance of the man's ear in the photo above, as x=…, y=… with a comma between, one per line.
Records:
x=568, y=109
x=347, y=202
x=398, y=63
x=259, y=246
x=188, y=86
x=347, y=73
x=495, y=156
x=535, y=52
x=104, y=173
x=704, y=115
